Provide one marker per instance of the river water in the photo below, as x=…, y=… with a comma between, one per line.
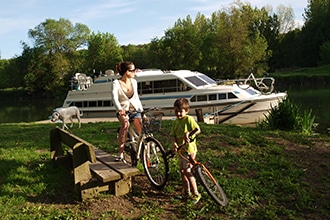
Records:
x=40, y=109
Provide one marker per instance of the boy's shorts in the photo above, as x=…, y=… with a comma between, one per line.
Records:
x=184, y=163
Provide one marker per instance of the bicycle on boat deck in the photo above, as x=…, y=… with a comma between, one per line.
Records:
x=203, y=175
x=147, y=149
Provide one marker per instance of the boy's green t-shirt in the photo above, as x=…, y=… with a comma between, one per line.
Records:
x=180, y=127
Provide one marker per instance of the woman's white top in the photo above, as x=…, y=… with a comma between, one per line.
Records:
x=120, y=99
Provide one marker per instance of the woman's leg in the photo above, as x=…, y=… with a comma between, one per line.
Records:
x=138, y=125
x=124, y=125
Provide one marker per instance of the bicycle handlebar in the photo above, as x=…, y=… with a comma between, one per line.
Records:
x=142, y=112
x=171, y=153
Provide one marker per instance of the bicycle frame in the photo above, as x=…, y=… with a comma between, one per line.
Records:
x=209, y=183
x=194, y=162
x=147, y=149
x=134, y=137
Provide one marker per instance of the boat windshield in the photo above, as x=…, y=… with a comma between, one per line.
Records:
x=200, y=80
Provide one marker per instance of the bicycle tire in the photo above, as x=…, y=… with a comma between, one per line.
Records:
x=155, y=162
x=130, y=155
x=213, y=188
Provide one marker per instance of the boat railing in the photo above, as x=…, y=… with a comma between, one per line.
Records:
x=264, y=84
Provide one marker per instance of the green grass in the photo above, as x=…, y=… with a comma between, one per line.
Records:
x=262, y=178
x=316, y=77
x=315, y=71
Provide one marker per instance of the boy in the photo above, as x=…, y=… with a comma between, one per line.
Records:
x=180, y=131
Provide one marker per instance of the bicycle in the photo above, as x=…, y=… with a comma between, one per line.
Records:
x=265, y=84
x=147, y=149
x=203, y=175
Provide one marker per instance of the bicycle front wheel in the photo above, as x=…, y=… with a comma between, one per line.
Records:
x=154, y=162
x=211, y=185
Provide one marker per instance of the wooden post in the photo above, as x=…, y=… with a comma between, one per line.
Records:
x=199, y=114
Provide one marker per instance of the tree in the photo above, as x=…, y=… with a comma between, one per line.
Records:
x=59, y=36
x=180, y=47
x=239, y=44
x=286, y=19
x=139, y=54
x=103, y=52
x=54, y=53
x=315, y=32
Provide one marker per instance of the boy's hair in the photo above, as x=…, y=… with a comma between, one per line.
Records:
x=182, y=103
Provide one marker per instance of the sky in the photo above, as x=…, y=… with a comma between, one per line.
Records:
x=130, y=21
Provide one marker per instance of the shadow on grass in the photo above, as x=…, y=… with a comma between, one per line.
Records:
x=37, y=182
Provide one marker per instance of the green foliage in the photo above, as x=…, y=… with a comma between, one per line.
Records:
x=287, y=117
x=228, y=44
x=325, y=53
x=103, y=52
x=53, y=55
x=316, y=31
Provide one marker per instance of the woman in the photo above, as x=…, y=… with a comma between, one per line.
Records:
x=126, y=98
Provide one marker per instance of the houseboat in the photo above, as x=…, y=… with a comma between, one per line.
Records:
x=225, y=102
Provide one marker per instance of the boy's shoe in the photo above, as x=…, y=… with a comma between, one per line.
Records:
x=183, y=196
x=195, y=198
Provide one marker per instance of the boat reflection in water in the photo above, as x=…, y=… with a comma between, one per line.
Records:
x=230, y=101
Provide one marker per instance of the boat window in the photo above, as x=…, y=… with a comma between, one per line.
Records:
x=92, y=104
x=166, y=85
x=183, y=86
x=78, y=104
x=222, y=96
x=162, y=86
x=196, y=81
x=201, y=98
x=198, y=98
x=251, y=91
x=146, y=87
x=212, y=97
x=207, y=79
x=107, y=103
x=231, y=96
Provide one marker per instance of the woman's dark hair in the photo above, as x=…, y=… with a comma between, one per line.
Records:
x=122, y=67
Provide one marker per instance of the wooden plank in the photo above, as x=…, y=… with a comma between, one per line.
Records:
x=103, y=172
x=56, y=149
x=124, y=169
x=81, y=163
x=71, y=140
x=68, y=138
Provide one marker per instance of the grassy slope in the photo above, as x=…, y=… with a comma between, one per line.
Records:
x=266, y=175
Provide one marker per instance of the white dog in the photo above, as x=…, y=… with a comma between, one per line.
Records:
x=65, y=114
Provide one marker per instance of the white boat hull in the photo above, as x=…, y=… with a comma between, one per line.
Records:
x=245, y=107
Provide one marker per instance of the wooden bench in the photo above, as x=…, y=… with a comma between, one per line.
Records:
x=94, y=170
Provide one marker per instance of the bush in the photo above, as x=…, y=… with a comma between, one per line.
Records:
x=286, y=117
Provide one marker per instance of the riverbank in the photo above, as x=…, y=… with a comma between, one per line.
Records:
x=93, y=120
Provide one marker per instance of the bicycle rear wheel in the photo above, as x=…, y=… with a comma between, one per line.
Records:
x=154, y=162
x=130, y=156
x=211, y=185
